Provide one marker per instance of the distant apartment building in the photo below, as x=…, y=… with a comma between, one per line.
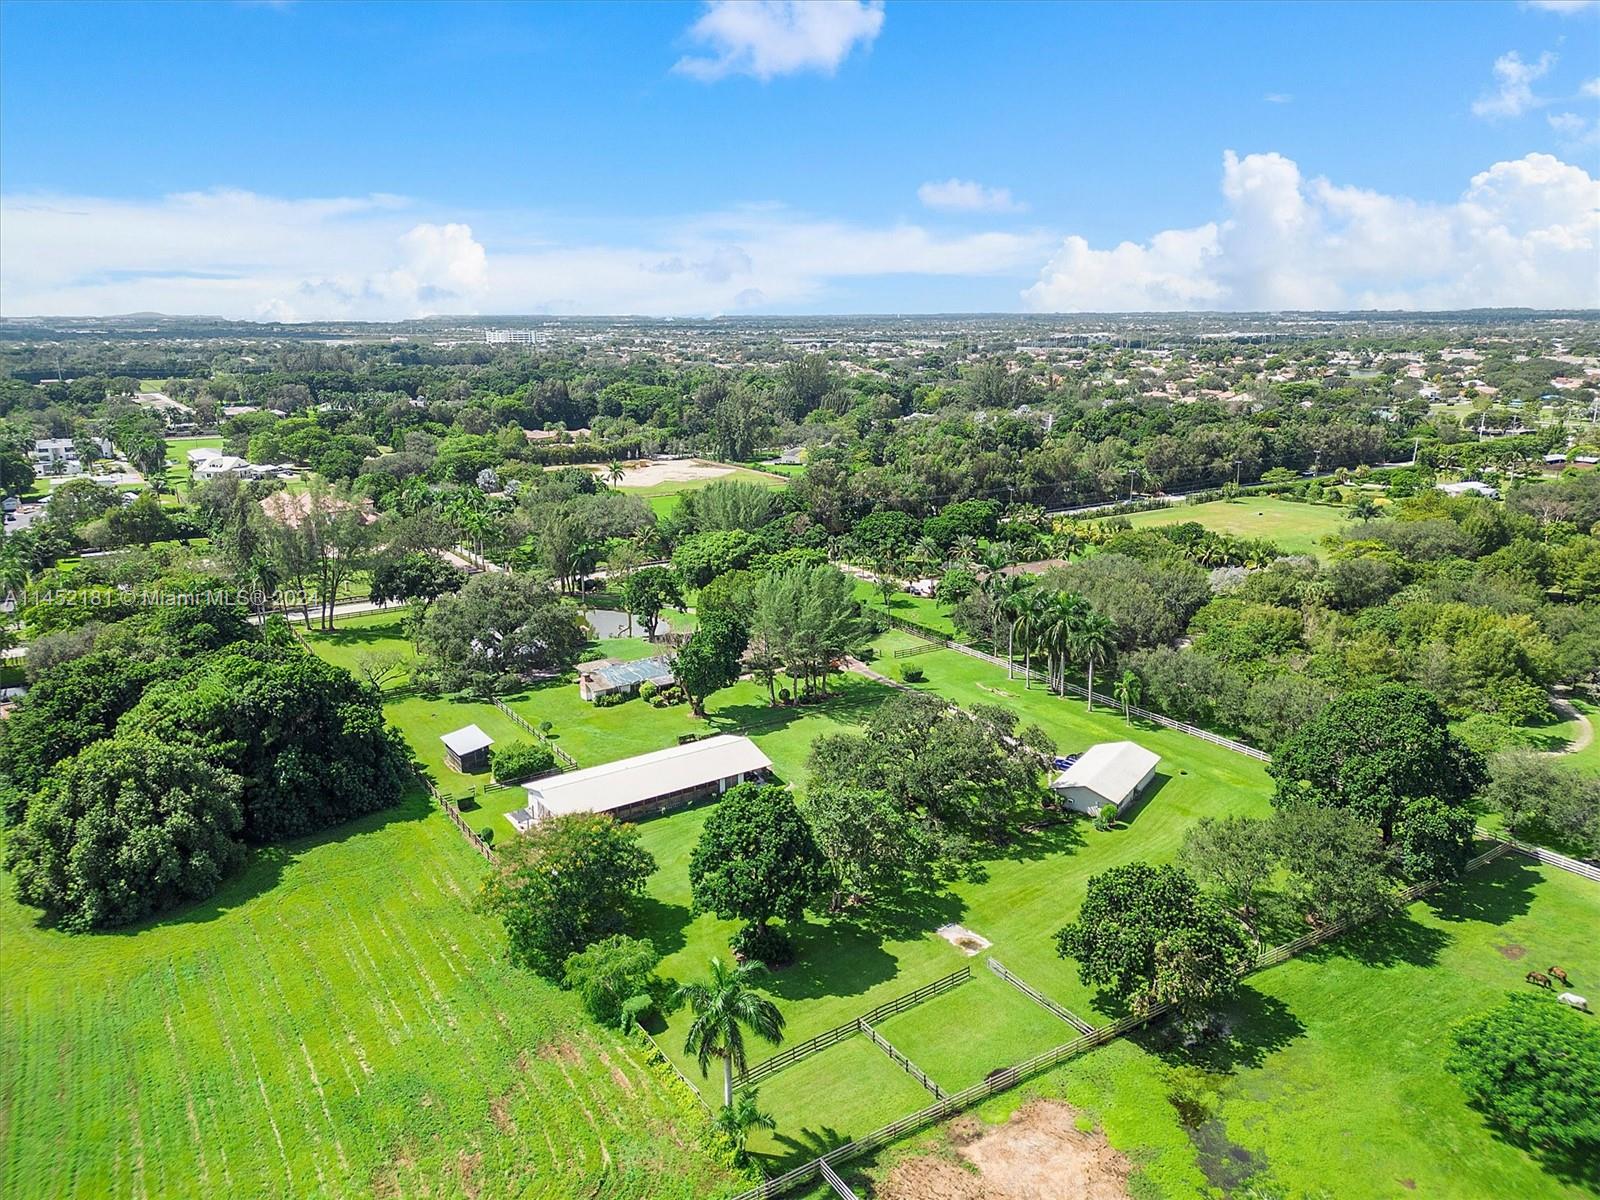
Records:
x=513, y=337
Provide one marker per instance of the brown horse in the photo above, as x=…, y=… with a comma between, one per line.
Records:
x=1538, y=978
x=1558, y=973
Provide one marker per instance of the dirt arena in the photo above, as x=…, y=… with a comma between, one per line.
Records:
x=1039, y=1154
x=647, y=473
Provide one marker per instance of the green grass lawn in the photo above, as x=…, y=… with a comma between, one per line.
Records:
x=1296, y=528
x=335, y=1022
x=1018, y=900
x=1330, y=1085
x=919, y=609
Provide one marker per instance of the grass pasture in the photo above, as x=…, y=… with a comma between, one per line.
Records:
x=1296, y=528
x=336, y=1022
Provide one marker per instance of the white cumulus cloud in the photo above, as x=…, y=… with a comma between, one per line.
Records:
x=240, y=254
x=1524, y=232
x=1513, y=80
x=1563, y=7
x=768, y=38
x=963, y=195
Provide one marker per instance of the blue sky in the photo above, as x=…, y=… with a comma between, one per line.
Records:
x=309, y=160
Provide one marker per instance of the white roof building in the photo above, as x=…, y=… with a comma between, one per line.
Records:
x=1466, y=487
x=465, y=741
x=646, y=783
x=1110, y=773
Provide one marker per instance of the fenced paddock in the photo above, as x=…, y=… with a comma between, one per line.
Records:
x=832, y=1037
x=1006, y=1078
x=1039, y=997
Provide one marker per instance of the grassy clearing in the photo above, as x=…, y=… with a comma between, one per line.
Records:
x=1296, y=528
x=920, y=609
x=1331, y=1083
x=1017, y=900
x=336, y=1022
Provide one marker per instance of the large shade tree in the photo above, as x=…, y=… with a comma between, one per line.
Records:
x=1387, y=754
x=1152, y=937
x=757, y=860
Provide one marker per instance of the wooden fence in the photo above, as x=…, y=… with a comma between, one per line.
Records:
x=667, y=1058
x=940, y=640
x=1549, y=858
x=1008, y=1077
x=515, y=718
x=851, y=1027
x=1040, y=998
x=454, y=813
x=905, y=1064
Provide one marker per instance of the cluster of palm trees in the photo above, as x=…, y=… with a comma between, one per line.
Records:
x=1058, y=626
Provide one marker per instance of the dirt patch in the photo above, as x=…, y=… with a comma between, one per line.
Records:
x=644, y=473
x=499, y=1113
x=964, y=940
x=562, y=1052
x=1513, y=951
x=1040, y=1154
x=467, y=1173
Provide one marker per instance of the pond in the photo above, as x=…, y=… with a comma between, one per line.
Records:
x=609, y=623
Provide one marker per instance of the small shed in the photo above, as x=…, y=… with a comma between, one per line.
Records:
x=1111, y=773
x=467, y=750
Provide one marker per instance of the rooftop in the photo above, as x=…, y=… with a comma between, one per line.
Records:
x=1110, y=769
x=645, y=776
x=465, y=741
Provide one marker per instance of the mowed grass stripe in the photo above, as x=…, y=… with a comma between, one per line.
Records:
x=338, y=1022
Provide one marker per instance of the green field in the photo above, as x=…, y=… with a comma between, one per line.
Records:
x=337, y=1021
x=1331, y=1086
x=1296, y=528
x=178, y=478
x=921, y=610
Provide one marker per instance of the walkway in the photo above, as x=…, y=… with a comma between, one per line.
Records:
x=1585, y=726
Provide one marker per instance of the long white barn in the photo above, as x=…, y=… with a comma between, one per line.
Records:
x=647, y=783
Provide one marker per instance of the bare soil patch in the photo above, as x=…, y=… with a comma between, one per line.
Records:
x=1040, y=1154
x=1512, y=951
x=647, y=473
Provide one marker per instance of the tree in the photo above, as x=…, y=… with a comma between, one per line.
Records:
x=609, y=973
x=1335, y=863
x=724, y=1007
x=499, y=630
x=1235, y=856
x=566, y=883
x=615, y=473
x=326, y=533
x=701, y=557
x=418, y=577
x=709, y=660
x=308, y=739
x=1363, y=508
x=757, y=860
x=1150, y=935
x=649, y=590
x=1538, y=794
x=378, y=667
x=1533, y=1067
x=873, y=847
x=128, y=827
x=517, y=761
x=1093, y=643
x=738, y=1118
x=1126, y=690
x=1387, y=754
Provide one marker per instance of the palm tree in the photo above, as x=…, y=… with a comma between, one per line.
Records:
x=723, y=1009
x=1035, y=604
x=1067, y=544
x=740, y=1117
x=1126, y=690
x=615, y=473
x=1093, y=644
x=1060, y=620
x=1014, y=601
